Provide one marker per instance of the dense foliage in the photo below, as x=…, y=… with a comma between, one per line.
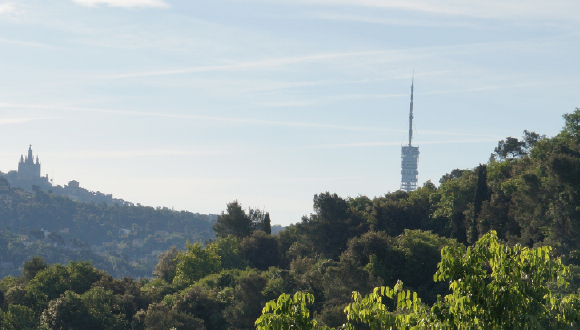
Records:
x=493, y=286
x=501, y=239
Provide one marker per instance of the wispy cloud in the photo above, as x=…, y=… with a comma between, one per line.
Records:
x=25, y=43
x=346, y=97
x=139, y=153
x=491, y=9
x=124, y=3
x=235, y=120
x=374, y=19
x=5, y=121
x=99, y=154
x=268, y=63
x=388, y=143
x=368, y=59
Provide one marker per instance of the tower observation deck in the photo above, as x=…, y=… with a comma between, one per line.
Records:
x=409, y=156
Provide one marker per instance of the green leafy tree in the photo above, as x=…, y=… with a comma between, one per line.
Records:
x=32, y=267
x=481, y=195
x=52, y=282
x=267, y=225
x=234, y=222
x=493, y=286
x=196, y=263
x=202, y=304
x=287, y=312
x=228, y=249
x=510, y=148
x=455, y=174
x=89, y=311
x=261, y=250
x=572, y=125
x=18, y=317
x=452, y=201
x=531, y=139
x=248, y=300
x=161, y=317
x=166, y=267
x=332, y=225
x=371, y=310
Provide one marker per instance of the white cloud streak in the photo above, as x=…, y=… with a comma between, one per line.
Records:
x=25, y=43
x=138, y=153
x=487, y=9
x=234, y=120
x=373, y=19
x=4, y=121
x=269, y=63
x=164, y=153
x=387, y=143
x=344, y=60
x=248, y=121
x=124, y=3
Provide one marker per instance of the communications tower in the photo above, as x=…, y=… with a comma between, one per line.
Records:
x=409, y=156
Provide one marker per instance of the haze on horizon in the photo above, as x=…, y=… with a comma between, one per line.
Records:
x=192, y=105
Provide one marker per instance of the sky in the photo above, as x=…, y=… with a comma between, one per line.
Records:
x=194, y=104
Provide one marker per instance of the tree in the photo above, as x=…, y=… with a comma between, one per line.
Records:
x=196, y=263
x=572, y=125
x=248, y=301
x=481, y=195
x=453, y=199
x=267, y=226
x=286, y=313
x=52, y=282
x=202, y=304
x=69, y=312
x=510, y=148
x=455, y=174
x=32, y=267
x=18, y=317
x=167, y=265
x=330, y=228
x=493, y=286
x=372, y=311
x=530, y=139
x=235, y=222
x=228, y=249
x=161, y=317
x=261, y=250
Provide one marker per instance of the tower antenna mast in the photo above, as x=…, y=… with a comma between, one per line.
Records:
x=411, y=111
x=410, y=154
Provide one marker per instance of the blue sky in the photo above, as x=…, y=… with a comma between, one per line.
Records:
x=193, y=104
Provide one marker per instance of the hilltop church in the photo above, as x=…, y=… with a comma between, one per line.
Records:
x=28, y=177
x=27, y=168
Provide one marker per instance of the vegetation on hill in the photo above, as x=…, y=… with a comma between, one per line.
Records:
x=501, y=239
x=121, y=239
